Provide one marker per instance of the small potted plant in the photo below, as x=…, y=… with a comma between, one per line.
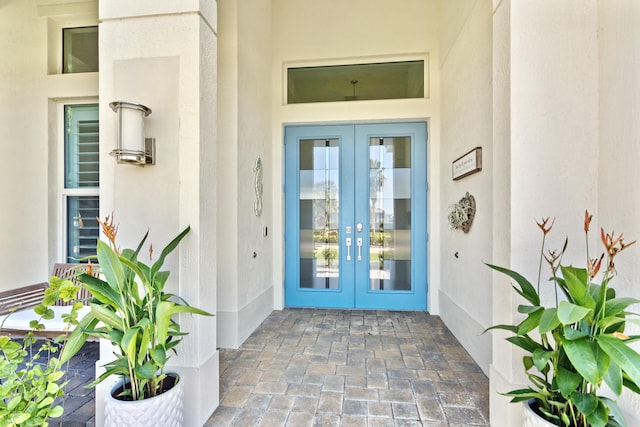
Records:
x=32, y=378
x=131, y=309
x=576, y=345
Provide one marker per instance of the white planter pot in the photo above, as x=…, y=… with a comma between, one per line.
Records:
x=162, y=410
x=531, y=419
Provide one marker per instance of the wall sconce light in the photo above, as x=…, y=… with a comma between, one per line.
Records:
x=132, y=146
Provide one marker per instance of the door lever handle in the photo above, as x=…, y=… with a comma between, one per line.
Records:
x=359, y=243
x=348, y=243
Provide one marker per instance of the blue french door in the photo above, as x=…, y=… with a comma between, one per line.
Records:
x=356, y=216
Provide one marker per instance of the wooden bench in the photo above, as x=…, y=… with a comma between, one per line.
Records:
x=16, y=304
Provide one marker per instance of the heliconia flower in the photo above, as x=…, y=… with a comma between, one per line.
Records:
x=90, y=268
x=613, y=245
x=109, y=229
x=621, y=336
x=587, y=221
x=593, y=266
x=552, y=257
x=543, y=225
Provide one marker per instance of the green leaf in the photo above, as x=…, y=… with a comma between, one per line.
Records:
x=616, y=306
x=623, y=355
x=56, y=412
x=600, y=415
x=567, y=381
x=77, y=338
x=585, y=402
x=101, y=290
x=21, y=419
x=527, y=309
x=55, y=376
x=52, y=388
x=613, y=378
x=541, y=358
x=129, y=342
x=13, y=403
x=525, y=343
x=107, y=316
x=569, y=313
x=614, y=411
x=159, y=355
x=146, y=371
x=549, y=320
x=573, y=334
x=527, y=291
x=582, y=356
x=531, y=322
x=167, y=250
x=576, y=281
x=45, y=402
x=110, y=266
x=524, y=394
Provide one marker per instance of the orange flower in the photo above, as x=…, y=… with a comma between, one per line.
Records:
x=593, y=266
x=621, y=336
x=587, y=221
x=109, y=229
x=543, y=225
x=614, y=245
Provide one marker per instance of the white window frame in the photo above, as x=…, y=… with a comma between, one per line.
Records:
x=65, y=193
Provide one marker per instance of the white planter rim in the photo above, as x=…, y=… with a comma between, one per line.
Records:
x=122, y=381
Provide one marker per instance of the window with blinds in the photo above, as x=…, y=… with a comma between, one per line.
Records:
x=81, y=180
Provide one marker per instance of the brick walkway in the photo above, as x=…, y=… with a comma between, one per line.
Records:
x=79, y=405
x=306, y=367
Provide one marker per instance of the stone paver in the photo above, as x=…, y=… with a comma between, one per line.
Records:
x=352, y=368
x=312, y=367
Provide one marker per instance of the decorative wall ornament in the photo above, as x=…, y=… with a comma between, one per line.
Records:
x=467, y=164
x=461, y=214
x=257, y=206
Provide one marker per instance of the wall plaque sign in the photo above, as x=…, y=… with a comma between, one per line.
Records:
x=467, y=164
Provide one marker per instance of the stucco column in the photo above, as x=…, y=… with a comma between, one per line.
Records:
x=164, y=55
x=545, y=77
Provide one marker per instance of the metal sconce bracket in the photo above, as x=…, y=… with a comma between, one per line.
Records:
x=139, y=158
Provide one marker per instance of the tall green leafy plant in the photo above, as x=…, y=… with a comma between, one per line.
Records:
x=577, y=345
x=131, y=309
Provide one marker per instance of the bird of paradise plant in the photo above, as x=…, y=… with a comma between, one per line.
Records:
x=576, y=346
x=131, y=309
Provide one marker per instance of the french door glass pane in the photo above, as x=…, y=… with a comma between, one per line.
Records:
x=81, y=146
x=82, y=226
x=390, y=214
x=319, y=208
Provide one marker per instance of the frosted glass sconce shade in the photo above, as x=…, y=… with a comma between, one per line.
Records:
x=131, y=145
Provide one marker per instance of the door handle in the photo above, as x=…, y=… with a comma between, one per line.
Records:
x=348, y=243
x=359, y=243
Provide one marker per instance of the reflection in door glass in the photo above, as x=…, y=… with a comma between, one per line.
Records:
x=390, y=214
x=319, y=208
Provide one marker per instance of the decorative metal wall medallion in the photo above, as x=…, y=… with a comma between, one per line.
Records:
x=461, y=214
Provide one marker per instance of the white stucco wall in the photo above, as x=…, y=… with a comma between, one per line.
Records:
x=29, y=221
x=619, y=150
x=466, y=123
x=551, y=123
x=360, y=31
x=246, y=295
x=168, y=63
